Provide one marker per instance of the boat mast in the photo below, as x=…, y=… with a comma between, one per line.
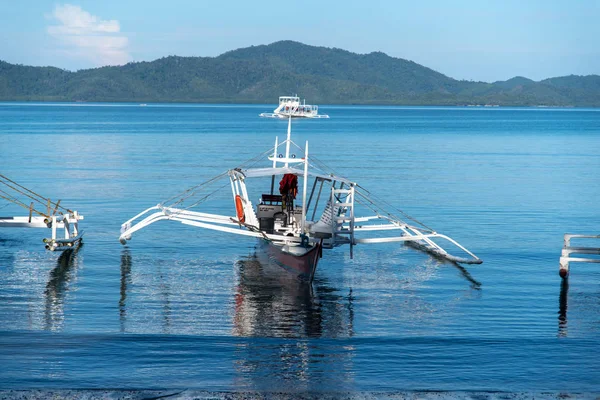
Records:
x=275, y=152
x=289, y=139
x=304, y=188
x=274, y=164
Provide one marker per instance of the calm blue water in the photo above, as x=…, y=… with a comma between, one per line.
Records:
x=184, y=308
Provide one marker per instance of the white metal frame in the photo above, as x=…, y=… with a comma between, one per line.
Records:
x=49, y=215
x=68, y=222
x=565, y=257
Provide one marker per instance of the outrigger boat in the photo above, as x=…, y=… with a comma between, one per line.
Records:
x=289, y=232
x=290, y=106
x=43, y=213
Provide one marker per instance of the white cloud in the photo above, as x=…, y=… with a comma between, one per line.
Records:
x=88, y=37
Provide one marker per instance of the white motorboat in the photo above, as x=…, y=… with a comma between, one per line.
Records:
x=290, y=106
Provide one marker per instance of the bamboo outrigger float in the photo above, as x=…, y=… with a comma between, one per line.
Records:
x=292, y=235
x=43, y=213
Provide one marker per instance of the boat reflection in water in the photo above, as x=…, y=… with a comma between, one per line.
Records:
x=58, y=284
x=125, y=282
x=285, y=316
x=162, y=296
x=269, y=302
x=562, y=308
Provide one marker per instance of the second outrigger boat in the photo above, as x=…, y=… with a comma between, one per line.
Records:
x=290, y=106
x=295, y=235
x=43, y=213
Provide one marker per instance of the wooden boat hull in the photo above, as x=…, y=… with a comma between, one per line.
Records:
x=297, y=260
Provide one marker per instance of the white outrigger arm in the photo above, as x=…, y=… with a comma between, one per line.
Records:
x=340, y=225
x=214, y=222
x=53, y=216
x=411, y=235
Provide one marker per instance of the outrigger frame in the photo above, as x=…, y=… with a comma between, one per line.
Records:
x=338, y=224
x=53, y=216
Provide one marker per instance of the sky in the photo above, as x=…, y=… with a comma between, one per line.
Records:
x=465, y=39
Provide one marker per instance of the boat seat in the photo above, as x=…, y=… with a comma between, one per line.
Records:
x=320, y=230
x=271, y=198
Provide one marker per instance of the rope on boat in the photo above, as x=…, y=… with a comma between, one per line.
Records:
x=254, y=160
x=30, y=194
x=368, y=199
x=192, y=191
x=186, y=194
x=206, y=197
x=18, y=202
x=377, y=208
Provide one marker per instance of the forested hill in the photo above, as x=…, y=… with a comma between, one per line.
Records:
x=260, y=74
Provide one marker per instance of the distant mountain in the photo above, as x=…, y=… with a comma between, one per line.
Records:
x=260, y=74
x=512, y=83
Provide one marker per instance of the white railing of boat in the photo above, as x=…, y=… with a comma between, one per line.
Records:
x=70, y=223
x=567, y=250
x=285, y=115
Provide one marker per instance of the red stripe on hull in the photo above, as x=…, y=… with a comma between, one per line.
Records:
x=303, y=265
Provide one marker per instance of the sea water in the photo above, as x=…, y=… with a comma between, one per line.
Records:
x=180, y=307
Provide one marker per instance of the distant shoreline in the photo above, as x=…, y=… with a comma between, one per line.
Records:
x=270, y=104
